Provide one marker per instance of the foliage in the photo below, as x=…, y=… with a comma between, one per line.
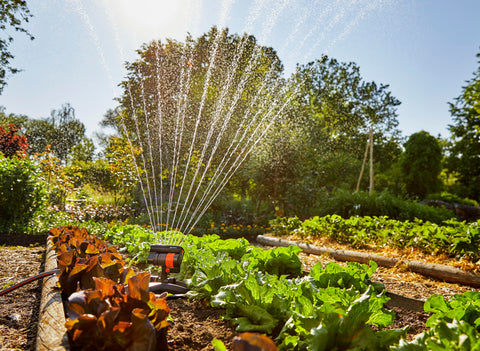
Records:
x=263, y=291
x=229, y=231
x=319, y=141
x=59, y=184
x=341, y=105
x=48, y=218
x=104, y=313
x=123, y=170
x=195, y=108
x=62, y=131
x=454, y=324
x=13, y=14
x=132, y=239
x=421, y=164
x=11, y=142
x=455, y=239
x=82, y=152
x=452, y=198
x=22, y=193
x=463, y=159
x=346, y=204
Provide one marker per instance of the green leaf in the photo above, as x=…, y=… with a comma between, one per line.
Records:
x=254, y=318
x=218, y=345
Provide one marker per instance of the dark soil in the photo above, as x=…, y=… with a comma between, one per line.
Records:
x=193, y=324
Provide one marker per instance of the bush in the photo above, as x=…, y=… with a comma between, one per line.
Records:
x=21, y=193
x=452, y=198
x=346, y=204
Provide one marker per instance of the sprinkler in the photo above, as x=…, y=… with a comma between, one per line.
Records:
x=169, y=258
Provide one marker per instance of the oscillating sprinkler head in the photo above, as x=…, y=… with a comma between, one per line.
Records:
x=169, y=257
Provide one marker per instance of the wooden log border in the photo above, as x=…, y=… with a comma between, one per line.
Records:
x=51, y=334
x=438, y=271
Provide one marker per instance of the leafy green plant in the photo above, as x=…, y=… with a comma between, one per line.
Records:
x=453, y=238
x=461, y=307
x=22, y=193
x=454, y=324
x=265, y=291
x=327, y=329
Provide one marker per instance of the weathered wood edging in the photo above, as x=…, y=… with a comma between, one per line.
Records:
x=438, y=271
x=51, y=334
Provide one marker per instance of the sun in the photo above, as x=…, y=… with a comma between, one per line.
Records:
x=152, y=18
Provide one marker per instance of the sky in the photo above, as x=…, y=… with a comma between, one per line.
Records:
x=425, y=50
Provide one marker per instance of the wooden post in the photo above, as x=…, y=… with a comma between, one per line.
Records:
x=363, y=166
x=371, y=161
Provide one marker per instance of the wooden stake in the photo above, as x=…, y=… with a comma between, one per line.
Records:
x=371, y=161
x=363, y=166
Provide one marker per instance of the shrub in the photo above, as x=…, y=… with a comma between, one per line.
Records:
x=346, y=204
x=452, y=198
x=21, y=193
x=12, y=142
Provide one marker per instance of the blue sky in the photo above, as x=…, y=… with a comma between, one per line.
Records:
x=425, y=50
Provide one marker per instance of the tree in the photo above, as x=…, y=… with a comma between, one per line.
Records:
x=340, y=107
x=62, y=131
x=122, y=168
x=69, y=131
x=194, y=106
x=464, y=155
x=13, y=14
x=12, y=142
x=58, y=182
x=83, y=151
x=336, y=109
x=421, y=164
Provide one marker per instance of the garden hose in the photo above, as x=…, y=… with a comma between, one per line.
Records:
x=29, y=280
x=55, y=271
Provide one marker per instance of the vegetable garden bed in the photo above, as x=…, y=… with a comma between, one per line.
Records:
x=195, y=324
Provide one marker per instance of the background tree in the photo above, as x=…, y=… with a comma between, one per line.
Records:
x=62, y=131
x=464, y=155
x=122, y=169
x=13, y=14
x=186, y=104
x=59, y=184
x=421, y=164
x=335, y=109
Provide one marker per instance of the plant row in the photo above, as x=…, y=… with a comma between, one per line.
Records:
x=453, y=238
x=103, y=313
x=330, y=308
x=266, y=291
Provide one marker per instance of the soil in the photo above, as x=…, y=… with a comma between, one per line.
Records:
x=193, y=324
